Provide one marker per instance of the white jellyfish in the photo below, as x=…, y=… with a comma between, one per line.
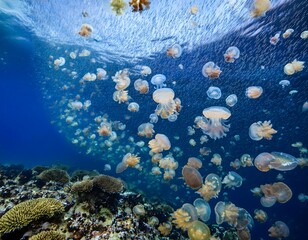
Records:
x=175, y=51
x=284, y=83
x=231, y=54
x=274, y=40
x=231, y=100
x=214, y=92
x=158, y=80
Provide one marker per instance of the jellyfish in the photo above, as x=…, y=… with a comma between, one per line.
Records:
x=121, y=79
x=85, y=30
x=168, y=162
x=260, y=7
x=133, y=107
x=260, y=130
x=274, y=40
x=158, y=80
x=175, y=51
x=120, y=96
x=89, y=77
x=246, y=160
x=231, y=100
x=263, y=160
x=287, y=33
x=104, y=129
x=211, y=70
x=129, y=160
x=216, y=159
x=101, y=73
x=192, y=177
x=203, y=209
x=279, y=190
x=279, y=230
x=156, y=171
x=254, y=92
x=268, y=201
x=232, y=180
x=214, y=92
x=304, y=35
x=302, y=197
x=178, y=106
x=142, y=86
x=305, y=107
x=172, y=117
x=194, y=162
x=284, y=83
x=231, y=54
x=293, y=67
x=194, y=10
x=169, y=174
x=145, y=71
x=226, y=212
x=199, y=231
x=118, y=6
x=283, y=161
x=75, y=105
x=213, y=125
x=211, y=187
x=185, y=216
x=166, y=105
x=146, y=130
x=153, y=118
x=59, y=62
x=260, y=216
x=139, y=5
x=139, y=210
x=165, y=228
x=160, y=143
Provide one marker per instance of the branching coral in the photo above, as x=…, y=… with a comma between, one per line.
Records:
x=139, y=5
x=26, y=212
x=48, y=235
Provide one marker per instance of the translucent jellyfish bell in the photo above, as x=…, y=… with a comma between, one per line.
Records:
x=192, y=177
x=199, y=231
x=153, y=118
x=172, y=117
x=279, y=230
x=231, y=54
x=214, y=92
x=175, y=51
x=263, y=160
x=254, y=92
x=158, y=80
x=283, y=161
x=284, y=83
x=203, y=209
x=268, y=201
x=231, y=100
x=232, y=180
x=211, y=70
x=163, y=95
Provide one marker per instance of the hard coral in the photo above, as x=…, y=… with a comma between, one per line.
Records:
x=54, y=174
x=26, y=212
x=48, y=235
x=83, y=186
x=139, y=5
x=108, y=184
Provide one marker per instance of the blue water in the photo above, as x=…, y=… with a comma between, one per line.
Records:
x=32, y=132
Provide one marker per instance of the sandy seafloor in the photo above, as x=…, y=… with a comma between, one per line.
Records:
x=33, y=133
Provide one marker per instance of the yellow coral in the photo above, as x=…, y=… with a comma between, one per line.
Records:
x=26, y=212
x=182, y=219
x=48, y=235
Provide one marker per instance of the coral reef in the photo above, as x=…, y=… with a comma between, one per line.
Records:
x=54, y=174
x=26, y=212
x=48, y=235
